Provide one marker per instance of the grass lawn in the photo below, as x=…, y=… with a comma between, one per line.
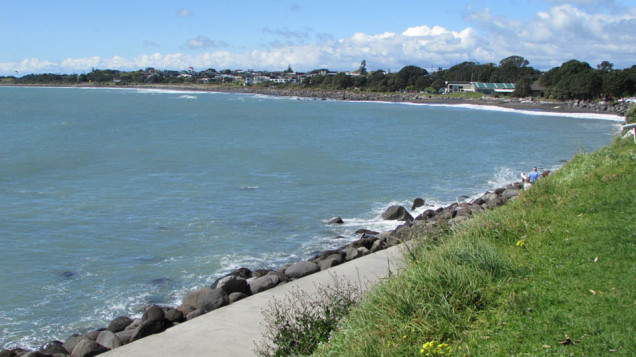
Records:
x=551, y=273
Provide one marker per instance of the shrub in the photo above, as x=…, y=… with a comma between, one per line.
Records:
x=297, y=324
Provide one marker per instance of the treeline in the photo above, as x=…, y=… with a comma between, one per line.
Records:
x=572, y=80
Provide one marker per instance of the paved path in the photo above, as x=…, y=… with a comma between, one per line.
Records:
x=235, y=329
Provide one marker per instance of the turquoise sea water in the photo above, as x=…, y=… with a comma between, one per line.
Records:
x=114, y=199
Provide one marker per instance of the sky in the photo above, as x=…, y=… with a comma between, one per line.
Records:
x=69, y=36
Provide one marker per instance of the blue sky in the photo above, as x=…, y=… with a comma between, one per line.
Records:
x=75, y=36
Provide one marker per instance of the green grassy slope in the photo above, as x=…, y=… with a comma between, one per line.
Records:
x=552, y=272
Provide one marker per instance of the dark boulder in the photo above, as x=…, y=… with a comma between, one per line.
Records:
x=72, y=341
x=300, y=269
x=510, y=194
x=153, y=313
x=367, y=232
x=331, y=261
x=364, y=242
x=37, y=354
x=396, y=213
x=174, y=315
x=119, y=323
x=335, y=220
x=88, y=348
x=54, y=347
x=124, y=336
x=234, y=297
x=428, y=214
x=194, y=314
x=206, y=299
x=263, y=283
x=233, y=284
x=418, y=202
x=378, y=245
x=108, y=340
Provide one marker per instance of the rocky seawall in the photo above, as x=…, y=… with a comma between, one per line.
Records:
x=244, y=282
x=619, y=107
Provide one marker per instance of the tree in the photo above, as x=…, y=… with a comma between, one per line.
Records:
x=410, y=77
x=363, y=68
x=289, y=69
x=605, y=66
x=523, y=87
x=514, y=61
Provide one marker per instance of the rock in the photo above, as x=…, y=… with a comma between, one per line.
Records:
x=134, y=325
x=335, y=220
x=92, y=335
x=119, y=323
x=301, y=269
x=54, y=347
x=429, y=213
x=367, y=232
x=153, y=313
x=194, y=314
x=396, y=213
x=233, y=284
x=509, y=194
x=418, y=202
x=108, y=339
x=37, y=354
x=124, y=336
x=331, y=261
x=186, y=309
x=206, y=299
x=260, y=272
x=174, y=315
x=499, y=191
x=242, y=273
x=263, y=283
x=378, y=245
x=147, y=328
x=72, y=341
x=352, y=253
x=364, y=242
x=234, y=297
x=88, y=348
x=13, y=352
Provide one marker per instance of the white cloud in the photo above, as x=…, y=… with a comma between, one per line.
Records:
x=202, y=42
x=548, y=39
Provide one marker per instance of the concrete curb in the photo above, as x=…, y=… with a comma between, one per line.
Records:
x=235, y=329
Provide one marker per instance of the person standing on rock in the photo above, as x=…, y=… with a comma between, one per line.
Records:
x=531, y=178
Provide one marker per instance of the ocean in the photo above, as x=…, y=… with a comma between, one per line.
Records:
x=113, y=199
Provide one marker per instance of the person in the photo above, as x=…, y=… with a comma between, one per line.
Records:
x=531, y=178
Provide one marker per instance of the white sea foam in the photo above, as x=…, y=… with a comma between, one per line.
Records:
x=598, y=116
x=185, y=96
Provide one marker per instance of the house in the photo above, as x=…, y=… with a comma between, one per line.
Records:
x=480, y=87
x=452, y=87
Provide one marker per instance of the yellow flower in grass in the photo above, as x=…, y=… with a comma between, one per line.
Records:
x=521, y=243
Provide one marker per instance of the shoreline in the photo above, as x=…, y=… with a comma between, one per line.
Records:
x=243, y=282
x=523, y=105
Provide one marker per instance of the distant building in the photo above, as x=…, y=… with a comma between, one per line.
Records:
x=480, y=87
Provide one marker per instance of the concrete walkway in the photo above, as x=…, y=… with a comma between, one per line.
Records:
x=234, y=330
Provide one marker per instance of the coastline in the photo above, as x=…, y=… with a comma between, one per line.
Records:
x=347, y=99
x=525, y=105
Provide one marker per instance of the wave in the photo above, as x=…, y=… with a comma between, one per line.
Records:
x=598, y=116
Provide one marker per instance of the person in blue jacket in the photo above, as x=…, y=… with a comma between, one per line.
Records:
x=531, y=178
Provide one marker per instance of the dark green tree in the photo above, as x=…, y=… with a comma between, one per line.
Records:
x=363, y=68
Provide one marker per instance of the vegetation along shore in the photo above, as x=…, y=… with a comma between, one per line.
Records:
x=574, y=86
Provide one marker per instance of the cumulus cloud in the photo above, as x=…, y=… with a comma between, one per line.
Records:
x=202, y=42
x=547, y=39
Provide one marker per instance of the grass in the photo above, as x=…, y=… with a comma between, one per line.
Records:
x=549, y=273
